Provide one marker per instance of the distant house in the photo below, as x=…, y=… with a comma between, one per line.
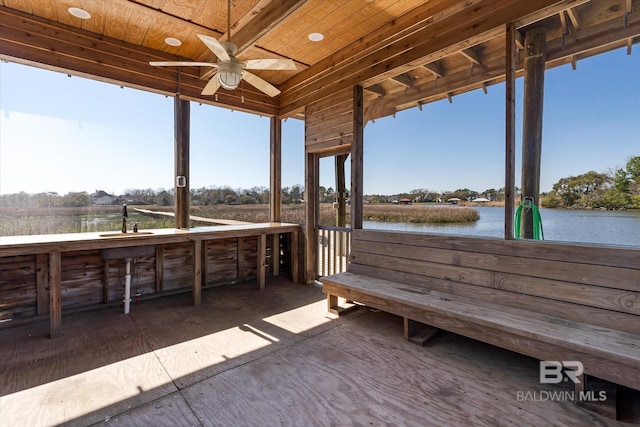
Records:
x=481, y=200
x=103, y=201
x=453, y=200
x=405, y=201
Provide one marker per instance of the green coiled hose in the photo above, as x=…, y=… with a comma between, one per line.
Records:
x=527, y=203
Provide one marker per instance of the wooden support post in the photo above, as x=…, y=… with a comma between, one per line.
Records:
x=357, y=147
x=311, y=212
x=275, y=190
x=510, y=131
x=205, y=262
x=105, y=281
x=534, y=66
x=262, y=260
x=42, y=283
x=197, y=272
x=341, y=189
x=597, y=395
x=294, y=256
x=55, y=300
x=159, y=264
x=241, y=260
x=418, y=333
x=275, y=255
x=181, y=145
x=333, y=306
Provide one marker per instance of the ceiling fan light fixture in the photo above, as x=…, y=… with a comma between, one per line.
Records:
x=79, y=13
x=229, y=74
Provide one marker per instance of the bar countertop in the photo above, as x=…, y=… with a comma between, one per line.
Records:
x=41, y=243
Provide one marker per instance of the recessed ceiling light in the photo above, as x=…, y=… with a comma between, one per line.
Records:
x=316, y=37
x=171, y=41
x=79, y=13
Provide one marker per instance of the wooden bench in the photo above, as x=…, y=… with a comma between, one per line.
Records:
x=547, y=300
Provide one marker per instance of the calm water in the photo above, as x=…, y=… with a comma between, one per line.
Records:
x=619, y=228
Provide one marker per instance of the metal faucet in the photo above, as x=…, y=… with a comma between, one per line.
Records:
x=125, y=215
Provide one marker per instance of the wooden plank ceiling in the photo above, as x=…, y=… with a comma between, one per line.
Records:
x=404, y=53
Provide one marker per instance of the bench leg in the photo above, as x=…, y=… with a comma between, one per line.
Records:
x=589, y=392
x=334, y=308
x=418, y=333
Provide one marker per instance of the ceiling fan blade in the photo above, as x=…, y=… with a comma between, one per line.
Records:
x=270, y=64
x=260, y=84
x=182, y=64
x=212, y=86
x=215, y=47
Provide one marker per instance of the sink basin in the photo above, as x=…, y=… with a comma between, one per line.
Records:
x=130, y=234
x=131, y=252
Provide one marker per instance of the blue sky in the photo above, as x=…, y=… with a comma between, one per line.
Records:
x=72, y=134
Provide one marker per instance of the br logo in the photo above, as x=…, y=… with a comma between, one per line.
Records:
x=553, y=372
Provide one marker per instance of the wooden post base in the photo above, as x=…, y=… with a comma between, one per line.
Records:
x=418, y=333
x=334, y=308
x=598, y=395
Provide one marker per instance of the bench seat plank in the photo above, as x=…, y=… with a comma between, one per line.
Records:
x=547, y=304
x=581, y=338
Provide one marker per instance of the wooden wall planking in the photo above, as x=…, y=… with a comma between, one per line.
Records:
x=177, y=261
x=81, y=280
x=87, y=280
x=18, y=290
x=221, y=261
x=329, y=122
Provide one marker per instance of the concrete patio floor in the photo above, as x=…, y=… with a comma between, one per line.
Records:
x=265, y=358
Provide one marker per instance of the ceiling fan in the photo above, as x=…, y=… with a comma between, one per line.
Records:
x=231, y=71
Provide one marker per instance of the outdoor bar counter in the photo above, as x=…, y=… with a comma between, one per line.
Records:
x=49, y=273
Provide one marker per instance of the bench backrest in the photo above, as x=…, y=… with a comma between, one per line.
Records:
x=594, y=284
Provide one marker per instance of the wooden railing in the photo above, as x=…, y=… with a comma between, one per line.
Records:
x=334, y=245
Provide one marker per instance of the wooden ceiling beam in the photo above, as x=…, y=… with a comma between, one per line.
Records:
x=469, y=27
x=393, y=31
x=563, y=23
x=471, y=55
x=573, y=17
x=403, y=79
x=264, y=21
x=434, y=69
x=580, y=42
x=519, y=40
x=377, y=89
x=428, y=92
x=607, y=33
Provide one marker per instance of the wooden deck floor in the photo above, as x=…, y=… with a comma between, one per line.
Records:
x=266, y=358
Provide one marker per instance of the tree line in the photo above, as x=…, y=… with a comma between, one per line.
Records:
x=160, y=197
x=615, y=190
x=619, y=189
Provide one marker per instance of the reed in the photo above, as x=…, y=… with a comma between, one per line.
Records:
x=420, y=214
x=14, y=222
x=380, y=213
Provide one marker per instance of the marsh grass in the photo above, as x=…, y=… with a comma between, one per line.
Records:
x=14, y=222
x=18, y=222
x=420, y=214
